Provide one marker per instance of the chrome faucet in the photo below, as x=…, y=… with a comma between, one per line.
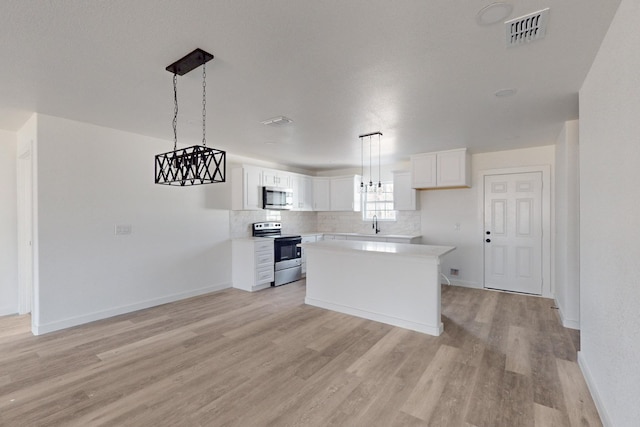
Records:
x=375, y=224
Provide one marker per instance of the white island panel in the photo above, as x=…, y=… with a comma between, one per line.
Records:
x=393, y=283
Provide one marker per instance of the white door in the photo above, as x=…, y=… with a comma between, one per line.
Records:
x=513, y=232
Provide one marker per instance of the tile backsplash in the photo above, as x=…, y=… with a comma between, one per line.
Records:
x=407, y=223
x=292, y=222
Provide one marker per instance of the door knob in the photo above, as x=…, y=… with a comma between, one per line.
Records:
x=488, y=232
x=488, y=240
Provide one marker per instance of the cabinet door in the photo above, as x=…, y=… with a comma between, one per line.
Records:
x=269, y=178
x=344, y=194
x=452, y=168
x=252, y=188
x=404, y=196
x=397, y=240
x=302, y=192
x=274, y=178
x=306, y=239
x=307, y=193
x=321, y=194
x=285, y=180
x=423, y=170
x=246, y=188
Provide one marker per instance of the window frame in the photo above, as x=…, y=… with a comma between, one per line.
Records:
x=382, y=214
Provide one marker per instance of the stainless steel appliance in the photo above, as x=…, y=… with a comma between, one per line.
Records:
x=277, y=198
x=287, y=253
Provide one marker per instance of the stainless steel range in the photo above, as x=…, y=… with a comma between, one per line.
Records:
x=287, y=253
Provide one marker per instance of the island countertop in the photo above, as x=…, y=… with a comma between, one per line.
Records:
x=400, y=249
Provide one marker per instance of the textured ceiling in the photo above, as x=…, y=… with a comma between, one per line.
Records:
x=422, y=72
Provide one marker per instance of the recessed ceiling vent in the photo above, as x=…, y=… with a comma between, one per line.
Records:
x=527, y=28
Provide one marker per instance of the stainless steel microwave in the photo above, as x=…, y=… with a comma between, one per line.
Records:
x=277, y=198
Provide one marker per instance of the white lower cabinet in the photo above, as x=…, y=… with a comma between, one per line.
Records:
x=308, y=239
x=334, y=237
x=252, y=264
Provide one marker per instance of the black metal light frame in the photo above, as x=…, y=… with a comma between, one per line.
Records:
x=191, y=166
x=197, y=164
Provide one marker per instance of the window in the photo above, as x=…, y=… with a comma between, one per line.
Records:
x=380, y=204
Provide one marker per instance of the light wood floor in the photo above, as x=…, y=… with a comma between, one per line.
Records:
x=239, y=359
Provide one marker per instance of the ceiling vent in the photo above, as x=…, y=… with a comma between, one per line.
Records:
x=527, y=28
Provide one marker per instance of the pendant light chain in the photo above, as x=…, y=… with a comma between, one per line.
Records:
x=379, y=175
x=361, y=164
x=175, y=111
x=370, y=168
x=204, y=104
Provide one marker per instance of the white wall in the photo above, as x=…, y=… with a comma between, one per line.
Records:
x=443, y=210
x=89, y=180
x=567, y=259
x=8, y=225
x=609, y=222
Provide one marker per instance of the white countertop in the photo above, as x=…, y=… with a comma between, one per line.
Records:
x=400, y=249
x=382, y=235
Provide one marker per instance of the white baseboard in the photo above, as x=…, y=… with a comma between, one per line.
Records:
x=463, y=283
x=586, y=372
x=7, y=310
x=99, y=315
x=567, y=323
x=382, y=318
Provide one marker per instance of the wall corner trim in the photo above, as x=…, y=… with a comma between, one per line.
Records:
x=586, y=372
x=567, y=323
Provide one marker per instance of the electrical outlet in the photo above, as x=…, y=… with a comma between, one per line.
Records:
x=122, y=230
x=453, y=272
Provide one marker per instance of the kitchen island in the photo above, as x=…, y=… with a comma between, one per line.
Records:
x=393, y=283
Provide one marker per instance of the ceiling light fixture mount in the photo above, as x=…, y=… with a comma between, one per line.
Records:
x=504, y=93
x=197, y=164
x=277, y=121
x=494, y=13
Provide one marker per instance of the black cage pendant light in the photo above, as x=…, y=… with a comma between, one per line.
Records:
x=197, y=164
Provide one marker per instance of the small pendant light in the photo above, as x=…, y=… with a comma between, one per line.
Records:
x=370, y=187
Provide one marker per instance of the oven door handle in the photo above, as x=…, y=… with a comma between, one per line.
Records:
x=288, y=240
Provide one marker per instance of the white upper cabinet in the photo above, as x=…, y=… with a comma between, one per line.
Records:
x=246, y=188
x=302, y=186
x=344, y=193
x=441, y=169
x=321, y=194
x=423, y=170
x=404, y=196
x=275, y=178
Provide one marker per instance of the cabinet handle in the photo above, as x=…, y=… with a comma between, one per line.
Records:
x=488, y=240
